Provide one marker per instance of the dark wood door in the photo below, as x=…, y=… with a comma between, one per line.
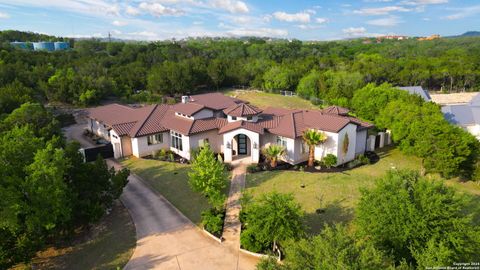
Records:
x=242, y=144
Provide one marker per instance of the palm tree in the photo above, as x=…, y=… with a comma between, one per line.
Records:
x=273, y=152
x=313, y=138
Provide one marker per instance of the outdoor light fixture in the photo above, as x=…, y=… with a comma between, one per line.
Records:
x=229, y=146
x=255, y=146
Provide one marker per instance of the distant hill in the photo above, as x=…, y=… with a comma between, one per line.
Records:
x=470, y=34
x=467, y=34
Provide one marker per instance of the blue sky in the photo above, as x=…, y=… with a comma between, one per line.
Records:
x=301, y=19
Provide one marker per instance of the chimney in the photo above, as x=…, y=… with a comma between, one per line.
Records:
x=185, y=99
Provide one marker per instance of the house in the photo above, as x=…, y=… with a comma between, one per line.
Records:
x=229, y=125
x=417, y=90
x=466, y=116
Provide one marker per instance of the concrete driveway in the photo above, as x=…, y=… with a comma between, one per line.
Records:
x=166, y=239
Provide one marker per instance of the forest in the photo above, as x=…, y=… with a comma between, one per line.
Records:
x=324, y=72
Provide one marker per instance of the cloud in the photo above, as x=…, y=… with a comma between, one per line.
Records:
x=381, y=10
x=258, y=32
x=386, y=22
x=231, y=6
x=292, y=17
x=158, y=10
x=464, y=13
x=4, y=15
x=132, y=11
x=424, y=2
x=119, y=23
x=355, y=32
x=321, y=20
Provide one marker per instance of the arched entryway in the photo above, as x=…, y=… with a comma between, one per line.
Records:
x=241, y=145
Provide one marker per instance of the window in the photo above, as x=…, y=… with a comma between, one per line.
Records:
x=249, y=118
x=234, y=118
x=282, y=141
x=155, y=139
x=176, y=140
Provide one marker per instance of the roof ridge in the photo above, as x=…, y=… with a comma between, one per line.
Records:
x=145, y=120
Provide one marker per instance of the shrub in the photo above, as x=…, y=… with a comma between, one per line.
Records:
x=363, y=159
x=253, y=168
x=161, y=154
x=212, y=221
x=330, y=160
x=171, y=157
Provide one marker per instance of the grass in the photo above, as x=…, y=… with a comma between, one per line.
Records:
x=264, y=100
x=108, y=245
x=337, y=193
x=171, y=180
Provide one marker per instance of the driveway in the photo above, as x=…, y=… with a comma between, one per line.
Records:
x=166, y=239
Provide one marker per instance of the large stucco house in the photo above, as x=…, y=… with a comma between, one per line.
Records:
x=230, y=126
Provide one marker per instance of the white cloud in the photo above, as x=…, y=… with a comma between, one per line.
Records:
x=231, y=6
x=387, y=22
x=132, y=11
x=197, y=23
x=311, y=11
x=355, y=32
x=464, y=13
x=424, y=2
x=321, y=20
x=119, y=23
x=292, y=17
x=381, y=10
x=4, y=15
x=258, y=32
x=158, y=10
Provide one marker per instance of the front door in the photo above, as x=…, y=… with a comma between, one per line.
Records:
x=242, y=144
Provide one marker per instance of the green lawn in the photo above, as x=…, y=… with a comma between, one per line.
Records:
x=264, y=100
x=170, y=180
x=338, y=193
x=108, y=245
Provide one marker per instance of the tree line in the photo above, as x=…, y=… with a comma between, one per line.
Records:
x=321, y=71
x=47, y=190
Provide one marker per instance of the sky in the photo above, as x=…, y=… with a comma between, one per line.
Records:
x=293, y=19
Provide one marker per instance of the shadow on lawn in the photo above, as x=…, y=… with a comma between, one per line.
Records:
x=332, y=213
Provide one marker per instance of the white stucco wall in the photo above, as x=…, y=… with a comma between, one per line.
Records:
x=99, y=129
x=254, y=119
x=329, y=147
x=361, y=142
x=140, y=147
x=117, y=144
x=215, y=140
x=474, y=130
x=254, y=139
x=351, y=130
x=204, y=113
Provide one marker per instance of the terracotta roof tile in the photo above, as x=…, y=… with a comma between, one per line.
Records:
x=336, y=110
x=215, y=101
x=188, y=108
x=255, y=127
x=242, y=110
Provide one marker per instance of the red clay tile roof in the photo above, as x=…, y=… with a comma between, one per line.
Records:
x=242, y=110
x=215, y=101
x=188, y=108
x=255, y=127
x=136, y=122
x=336, y=110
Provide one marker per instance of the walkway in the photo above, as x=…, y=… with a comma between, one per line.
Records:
x=166, y=239
x=232, y=227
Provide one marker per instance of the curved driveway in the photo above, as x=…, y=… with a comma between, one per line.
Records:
x=166, y=239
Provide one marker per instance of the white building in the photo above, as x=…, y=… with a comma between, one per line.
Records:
x=230, y=126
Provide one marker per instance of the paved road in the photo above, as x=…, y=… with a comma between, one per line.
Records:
x=166, y=239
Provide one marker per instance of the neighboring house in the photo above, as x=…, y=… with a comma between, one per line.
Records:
x=465, y=115
x=230, y=126
x=417, y=90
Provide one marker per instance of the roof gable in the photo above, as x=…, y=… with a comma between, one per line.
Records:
x=242, y=110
